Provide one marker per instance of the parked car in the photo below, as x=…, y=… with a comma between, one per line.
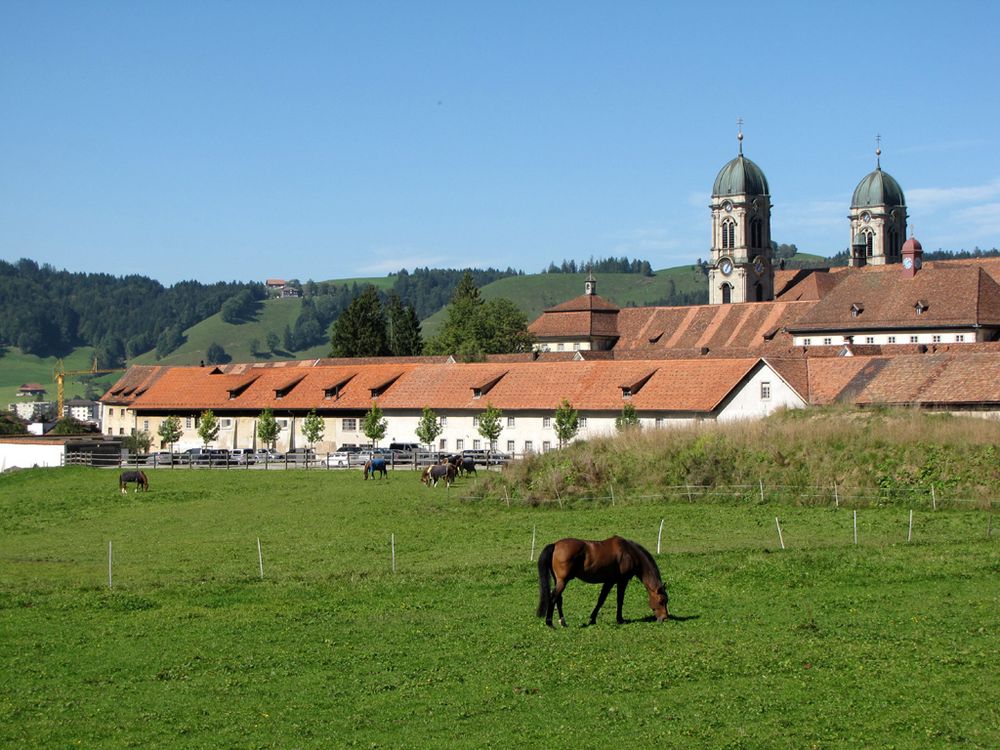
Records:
x=163, y=458
x=339, y=459
x=267, y=455
x=301, y=455
x=243, y=456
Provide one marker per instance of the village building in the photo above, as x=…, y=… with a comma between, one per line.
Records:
x=887, y=329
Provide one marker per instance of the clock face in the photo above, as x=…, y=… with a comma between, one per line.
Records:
x=758, y=265
x=917, y=262
x=726, y=266
x=907, y=262
x=727, y=207
x=866, y=217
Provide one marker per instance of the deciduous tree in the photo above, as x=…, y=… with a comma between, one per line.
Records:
x=428, y=428
x=208, y=427
x=567, y=422
x=374, y=425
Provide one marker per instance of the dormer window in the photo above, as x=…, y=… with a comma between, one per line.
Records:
x=477, y=392
x=856, y=309
x=630, y=389
x=921, y=306
x=285, y=389
x=483, y=387
x=334, y=390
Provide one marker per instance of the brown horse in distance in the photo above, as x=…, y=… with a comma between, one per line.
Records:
x=614, y=561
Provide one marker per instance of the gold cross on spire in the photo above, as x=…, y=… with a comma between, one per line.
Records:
x=878, y=150
x=739, y=133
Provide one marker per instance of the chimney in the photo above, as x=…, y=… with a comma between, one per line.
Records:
x=913, y=257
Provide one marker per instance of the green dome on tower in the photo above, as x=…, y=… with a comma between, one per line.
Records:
x=740, y=177
x=878, y=189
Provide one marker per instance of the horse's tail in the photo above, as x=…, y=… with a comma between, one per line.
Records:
x=545, y=579
x=144, y=480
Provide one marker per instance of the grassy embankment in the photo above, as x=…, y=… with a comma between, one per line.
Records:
x=824, y=644
x=801, y=456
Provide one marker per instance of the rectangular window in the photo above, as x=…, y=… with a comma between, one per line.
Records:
x=807, y=342
x=576, y=346
x=349, y=424
x=914, y=339
x=225, y=424
x=459, y=444
x=510, y=421
x=659, y=421
x=443, y=421
x=869, y=339
x=111, y=411
x=561, y=346
x=959, y=337
x=477, y=445
x=546, y=421
x=581, y=422
x=546, y=446
x=529, y=446
x=510, y=446
x=475, y=421
x=187, y=422
x=121, y=430
x=892, y=339
x=936, y=338
x=282, y=423
x=827, y=341
x=443, y=444
x=765, y=391
x=145, y=425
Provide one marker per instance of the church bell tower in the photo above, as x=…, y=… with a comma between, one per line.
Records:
x=741, y=262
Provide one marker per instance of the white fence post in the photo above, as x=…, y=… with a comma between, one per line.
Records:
x=260, y=559
x=109, y=563
x=531, y=555
x=855, y=527
x=659, y=535
x=909, y=531
x=781, y=539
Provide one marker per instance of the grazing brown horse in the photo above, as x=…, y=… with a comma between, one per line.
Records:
x=435, y=472
x=613, y=561
x=139, y=477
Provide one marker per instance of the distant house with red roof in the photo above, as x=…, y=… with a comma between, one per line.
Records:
x=31, y=389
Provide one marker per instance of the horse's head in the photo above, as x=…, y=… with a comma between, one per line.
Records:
x=658, y=602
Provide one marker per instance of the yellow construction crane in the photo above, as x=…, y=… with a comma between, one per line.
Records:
x=60, y=372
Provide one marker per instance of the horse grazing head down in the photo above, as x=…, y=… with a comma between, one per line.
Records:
x=375, y=465
x=138, y=477
x=658, y=603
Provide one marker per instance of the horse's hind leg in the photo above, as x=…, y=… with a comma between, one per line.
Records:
x=605, y=590
x=555, y=600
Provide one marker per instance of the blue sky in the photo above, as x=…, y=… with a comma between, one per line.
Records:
x=245, y=140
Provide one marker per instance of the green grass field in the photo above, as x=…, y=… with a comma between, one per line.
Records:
x=824, y=644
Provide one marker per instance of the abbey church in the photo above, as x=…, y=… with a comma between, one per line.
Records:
x=888, y=329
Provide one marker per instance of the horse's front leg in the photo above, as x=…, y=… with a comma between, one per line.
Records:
x=621, y=599
x=605, y=590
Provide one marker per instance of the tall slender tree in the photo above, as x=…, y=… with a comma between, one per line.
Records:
x=267, y=428
x=490, y=427
x=374, y=424
x=359, y=331
x=170, y=431
x=403, y=328
x=208, y=427
x=428, y=428
x=567, y=422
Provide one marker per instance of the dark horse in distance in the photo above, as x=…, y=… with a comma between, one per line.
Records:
x=614, y=561
x=139, y=477
x=375, y=466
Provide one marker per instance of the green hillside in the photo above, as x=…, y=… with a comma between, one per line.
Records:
x=536, y=292
x=273, y=315
x=17, y=368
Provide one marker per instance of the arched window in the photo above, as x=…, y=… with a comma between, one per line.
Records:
x=869, y=243
x=756, y=233
x=893, y=251
x=759, y=292
x=727, y=294
x=728, y=234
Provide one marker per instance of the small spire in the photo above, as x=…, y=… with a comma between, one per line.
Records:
x=878, y=151
x=739, y=133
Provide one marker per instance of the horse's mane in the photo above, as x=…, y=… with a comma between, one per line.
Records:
x=649, y=563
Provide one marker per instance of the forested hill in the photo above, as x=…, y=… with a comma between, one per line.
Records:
x=46, y=311
x=49, y=312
